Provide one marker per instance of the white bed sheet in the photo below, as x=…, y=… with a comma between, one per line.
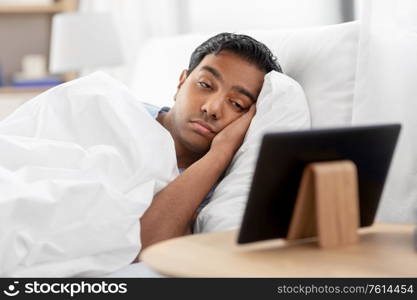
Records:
x=75, y=179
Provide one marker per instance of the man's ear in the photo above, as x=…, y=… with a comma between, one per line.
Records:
x=182, y=79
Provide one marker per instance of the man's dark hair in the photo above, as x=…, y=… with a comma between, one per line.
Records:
x=242, y=45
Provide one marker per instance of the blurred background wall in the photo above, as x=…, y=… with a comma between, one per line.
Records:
x=138, y=21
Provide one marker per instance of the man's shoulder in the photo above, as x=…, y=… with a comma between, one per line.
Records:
x=155, y=110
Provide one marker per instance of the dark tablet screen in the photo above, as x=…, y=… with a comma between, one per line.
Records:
x=283, y=157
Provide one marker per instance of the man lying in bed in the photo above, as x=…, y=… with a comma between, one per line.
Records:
x=214, y=105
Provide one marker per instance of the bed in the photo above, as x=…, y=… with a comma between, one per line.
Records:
x=321, y=59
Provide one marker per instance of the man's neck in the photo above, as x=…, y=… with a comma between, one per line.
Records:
x=185, y=158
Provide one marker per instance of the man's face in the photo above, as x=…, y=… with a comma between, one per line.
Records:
x=218, y=91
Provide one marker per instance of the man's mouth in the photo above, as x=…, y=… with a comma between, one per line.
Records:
x=203, y=127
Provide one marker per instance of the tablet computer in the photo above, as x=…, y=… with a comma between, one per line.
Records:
x=283, y=157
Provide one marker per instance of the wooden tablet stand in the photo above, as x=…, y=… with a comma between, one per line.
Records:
x=327, y=204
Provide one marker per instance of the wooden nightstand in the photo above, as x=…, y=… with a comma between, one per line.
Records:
x=384, y=250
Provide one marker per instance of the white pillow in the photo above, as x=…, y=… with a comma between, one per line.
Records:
x=322, y=59
x=281, y=106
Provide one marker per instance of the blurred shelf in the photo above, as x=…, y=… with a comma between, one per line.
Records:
x=56, y=7
x=17, y=90
x=30, y=9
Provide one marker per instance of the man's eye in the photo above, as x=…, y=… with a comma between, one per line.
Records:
x=237, y=105
x=204, y=85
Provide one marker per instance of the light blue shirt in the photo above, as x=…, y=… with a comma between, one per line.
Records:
x=154, y=111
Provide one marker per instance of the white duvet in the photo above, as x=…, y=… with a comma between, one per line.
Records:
x=79, y=165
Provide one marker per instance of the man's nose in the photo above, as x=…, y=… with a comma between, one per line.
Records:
x=213, y=107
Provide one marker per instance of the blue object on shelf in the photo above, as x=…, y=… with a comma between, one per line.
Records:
x=47, y=81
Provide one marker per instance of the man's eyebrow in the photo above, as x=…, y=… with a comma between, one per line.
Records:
x=238, y=89
x=245, y=92
x=213, y=71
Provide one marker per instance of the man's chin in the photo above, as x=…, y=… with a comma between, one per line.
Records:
x=200, y=149
x=198, y=144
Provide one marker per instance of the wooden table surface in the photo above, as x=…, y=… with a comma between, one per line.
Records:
x=384, y=250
